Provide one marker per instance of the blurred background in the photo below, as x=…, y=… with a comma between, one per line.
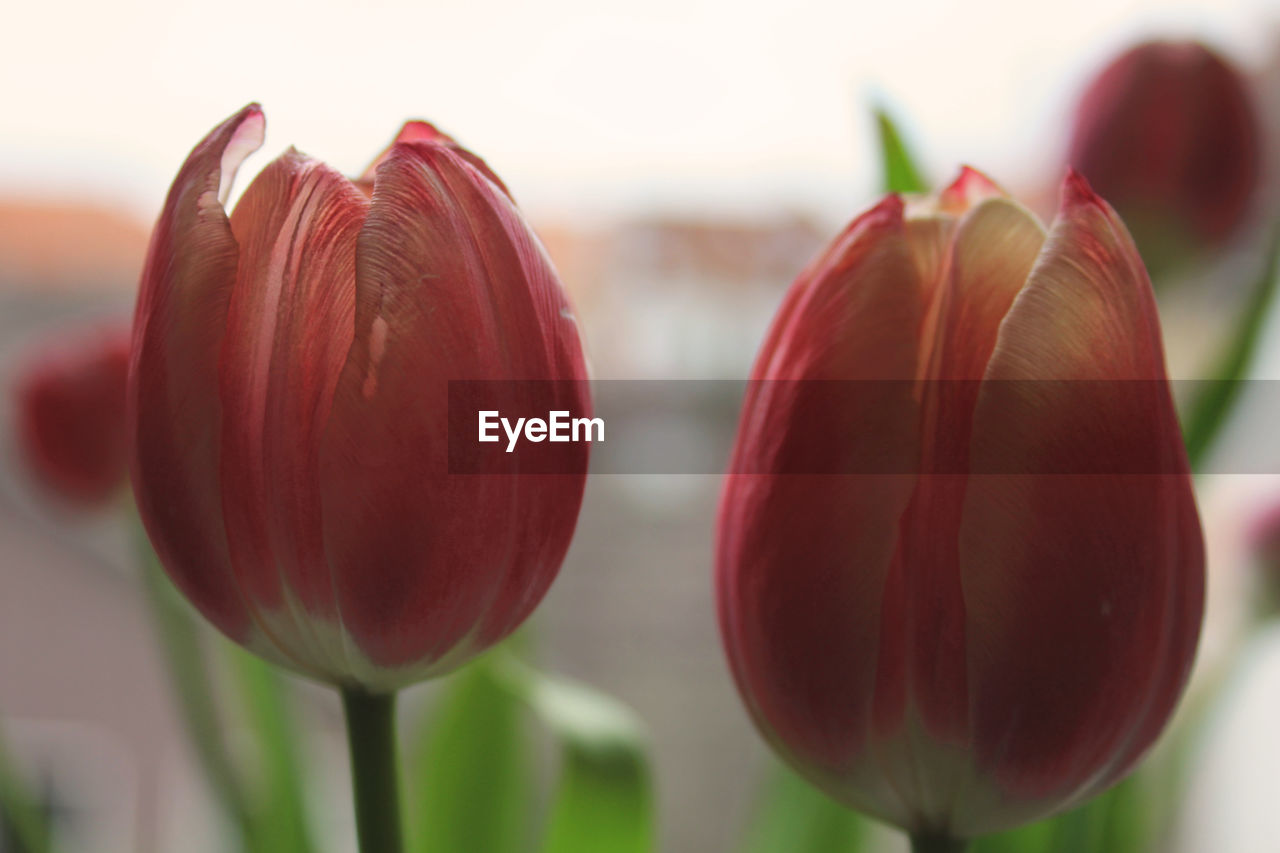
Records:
x=681, y=161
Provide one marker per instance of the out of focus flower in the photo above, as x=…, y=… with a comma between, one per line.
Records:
x=959, y=567
x=1168, y=133
x=288, y=405
x=1264, y=547
x=70, y=402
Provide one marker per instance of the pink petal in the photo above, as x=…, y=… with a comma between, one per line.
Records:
x=969, y=189
x=412, y=131
x=289, y=328
x=174, y=412
x=993, y=250
x=1081, y=557
x=427, y=134
x=802, y=558
x=451, y=285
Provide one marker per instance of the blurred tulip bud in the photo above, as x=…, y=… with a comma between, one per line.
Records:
x=288, y=403
x=1264, y=545
x=959, y=565
x=1168, y=133
x=71, y=413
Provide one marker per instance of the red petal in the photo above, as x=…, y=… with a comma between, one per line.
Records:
x=969, y=189
x=427, y=134
x=1084, y=590
x=992, y=252
x=993, y=249
x=451, y=285
x=289, y=329
x=412, y=131
x=174, y=412
x=802, y=560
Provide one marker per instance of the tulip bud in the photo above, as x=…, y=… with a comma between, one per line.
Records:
x=288, y=405
x=959, y=565
x=1169, y=134
x=1264, y=546
x=71, y=419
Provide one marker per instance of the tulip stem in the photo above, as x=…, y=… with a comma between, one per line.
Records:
x=375, y=776
x=937, y=844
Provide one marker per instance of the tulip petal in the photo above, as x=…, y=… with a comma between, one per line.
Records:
x=1081, y=559
x=412, y=131
x=428, y=133
x=289, y=328
x=451, y=285
x=831, y=391
x=968, y=190
x=993, y=249
x=174, y=412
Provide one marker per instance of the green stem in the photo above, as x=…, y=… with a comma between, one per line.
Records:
x=1209, y=410
x=937, y=844
x=375, y=778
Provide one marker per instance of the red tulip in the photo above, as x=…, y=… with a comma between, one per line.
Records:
x=71, y=424
x=954, y=593
x=288, y=402
x=1169, y=134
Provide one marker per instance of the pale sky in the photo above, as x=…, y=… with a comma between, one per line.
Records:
x=703, y=103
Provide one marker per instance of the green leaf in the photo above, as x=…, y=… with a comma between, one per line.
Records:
x=604, y=798
x=19, y=809
x=1209, y=411
x=1036, y=838
x=794, y=817
x=281, y=822
x=273, y=819
x=1126, y=824
x=900, y=172
x=188, y=670
x=470, y=783
x=1113, y=822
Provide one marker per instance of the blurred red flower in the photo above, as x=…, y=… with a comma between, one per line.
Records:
x=70, y=397
x=1169, y=134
